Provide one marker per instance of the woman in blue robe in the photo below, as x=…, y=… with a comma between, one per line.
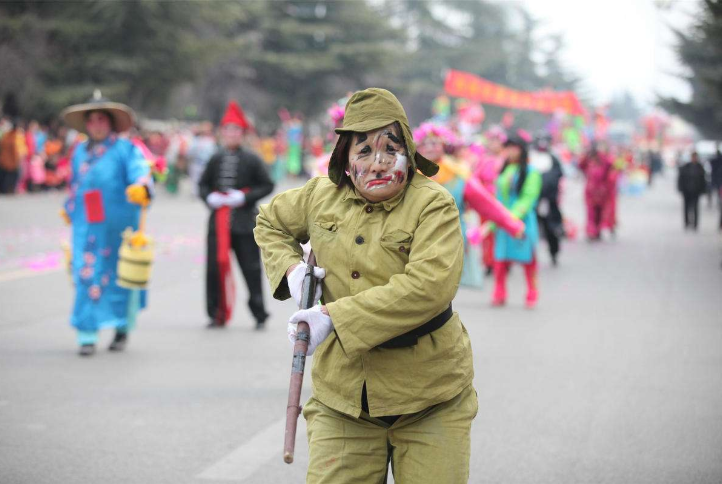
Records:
x=110, y=181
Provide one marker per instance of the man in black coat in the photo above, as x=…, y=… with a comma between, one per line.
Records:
x=549, y=214
x=235, y=178
x=692, y=183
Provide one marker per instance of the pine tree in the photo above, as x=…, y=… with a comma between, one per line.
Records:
x=313, y=53
x=701, y=51
x=134, y=51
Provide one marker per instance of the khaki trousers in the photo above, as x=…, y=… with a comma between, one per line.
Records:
x=431, y=446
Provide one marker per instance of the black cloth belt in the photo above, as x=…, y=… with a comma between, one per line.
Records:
x=412, y=337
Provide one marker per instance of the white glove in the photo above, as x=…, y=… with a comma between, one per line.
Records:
x=235, y=198
x=320, y=326
x=216, y=200
x=295, y=282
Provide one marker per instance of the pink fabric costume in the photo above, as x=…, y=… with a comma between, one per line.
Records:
x=489, y=208
x=597, y=168
x=609, y=220
x=487, y=169
x=609, y=213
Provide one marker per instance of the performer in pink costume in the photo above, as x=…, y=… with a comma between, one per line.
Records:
x=490, y=160
x=597, y=168
x=466, y=190
x=486, y=171
x=609, y=214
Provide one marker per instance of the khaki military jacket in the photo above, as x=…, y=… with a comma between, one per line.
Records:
x=390, y=267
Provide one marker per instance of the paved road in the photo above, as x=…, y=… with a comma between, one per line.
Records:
x=615, y=378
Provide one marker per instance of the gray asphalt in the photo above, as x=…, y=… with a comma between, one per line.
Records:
x=615, y=378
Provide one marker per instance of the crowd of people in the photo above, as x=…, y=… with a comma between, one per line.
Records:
x=34, y=157
x=507, y=184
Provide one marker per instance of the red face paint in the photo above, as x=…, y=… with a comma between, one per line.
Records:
x=385, y=180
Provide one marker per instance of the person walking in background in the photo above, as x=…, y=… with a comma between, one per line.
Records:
x=26, y=142
x=518, y=189
x=692, y=183
x=110, y=180
x=36, y=138
x=200, y=152
x=654, y=165
x=597, y=169
x=175, y=158
x=609, y=213
x=294, y=154
x=487, y=172
x=716, y=175
x=12, y=152
x=547, y=210
x=233, y=181
x=56, y=170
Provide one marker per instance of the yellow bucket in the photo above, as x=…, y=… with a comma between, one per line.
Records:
x=134, y=262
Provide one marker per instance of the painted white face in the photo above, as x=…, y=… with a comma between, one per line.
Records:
x=378, y=164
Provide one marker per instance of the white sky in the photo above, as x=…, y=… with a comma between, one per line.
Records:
x=619, y=44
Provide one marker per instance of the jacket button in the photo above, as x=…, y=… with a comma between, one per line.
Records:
x=402, y=249
x=359, y=240
x=369, y=209
x=355, y=275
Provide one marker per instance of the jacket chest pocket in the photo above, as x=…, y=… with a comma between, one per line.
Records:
x=325, y=243
x=396, y=246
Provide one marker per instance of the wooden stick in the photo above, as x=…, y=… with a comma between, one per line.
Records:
x=300, y=348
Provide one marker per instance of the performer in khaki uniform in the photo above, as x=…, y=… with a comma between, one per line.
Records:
x=392, y=372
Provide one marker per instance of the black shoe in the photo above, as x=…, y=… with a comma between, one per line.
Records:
x=119, y=342
x=555, y=262
x=261, y=322
x=215, y=324
x=87, y=350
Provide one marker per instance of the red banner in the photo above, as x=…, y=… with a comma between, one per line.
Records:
x=470, y=86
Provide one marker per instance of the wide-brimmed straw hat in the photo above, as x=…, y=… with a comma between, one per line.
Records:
x=122, y=116
x=372, y=109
